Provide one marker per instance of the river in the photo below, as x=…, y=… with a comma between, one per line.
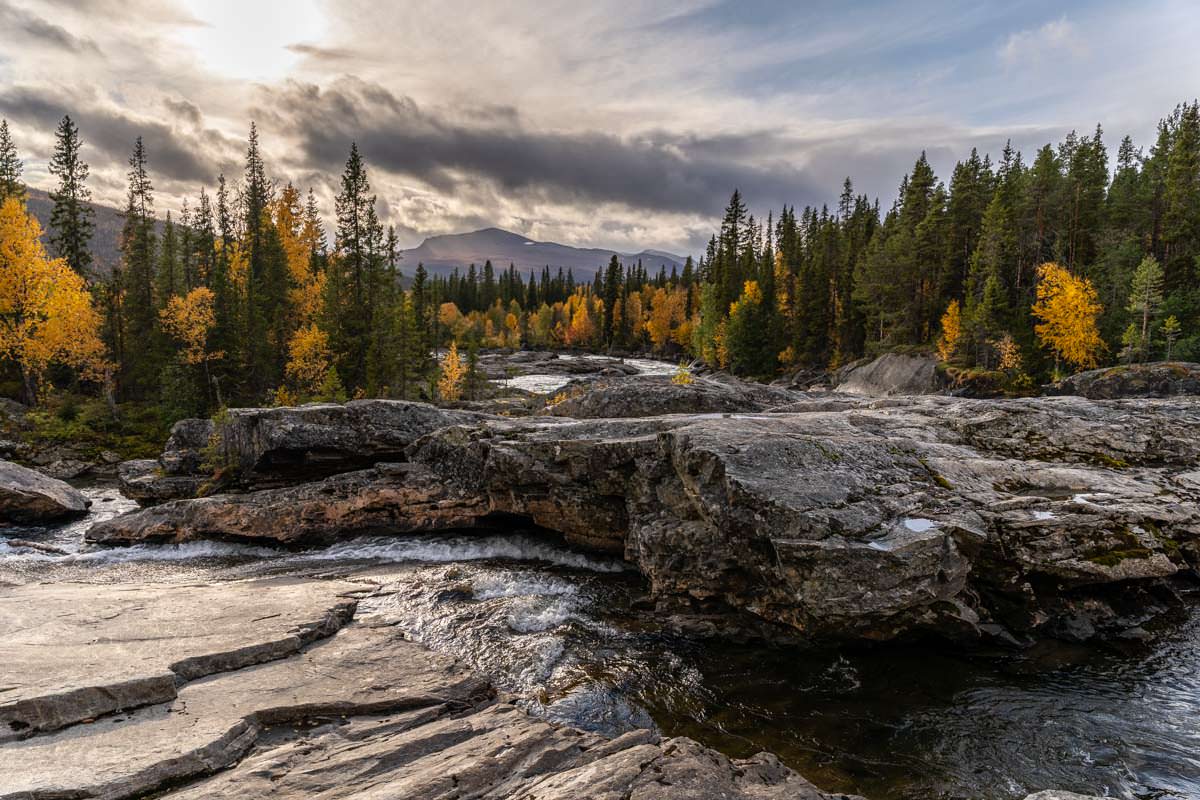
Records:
x=570, y=636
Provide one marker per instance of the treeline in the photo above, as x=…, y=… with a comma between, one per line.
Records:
x=245, y=298
x=964, y=264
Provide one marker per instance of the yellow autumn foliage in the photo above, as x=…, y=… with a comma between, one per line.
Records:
x=188, y=320
x=947, y=344
x=46, y=311
x=309, y=359
x=1068, y=307
x=454, y=373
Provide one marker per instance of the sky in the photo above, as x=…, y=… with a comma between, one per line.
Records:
x=612, y=123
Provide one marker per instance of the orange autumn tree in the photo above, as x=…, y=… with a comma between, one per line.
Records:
x=1067, y=307
x=46, y=311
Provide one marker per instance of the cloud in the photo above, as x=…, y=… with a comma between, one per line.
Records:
x=660, y=170
x=1050, y=41
x=320, y=53
x=13, y=18
x=173, y=153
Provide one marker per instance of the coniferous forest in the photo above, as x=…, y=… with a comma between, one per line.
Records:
x=1016, y=266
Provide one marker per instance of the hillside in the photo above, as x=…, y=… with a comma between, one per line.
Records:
x=106, y=239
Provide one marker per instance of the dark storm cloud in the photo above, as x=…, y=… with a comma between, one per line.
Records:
x=660, y=172
x=172, y=154
x=13, y=19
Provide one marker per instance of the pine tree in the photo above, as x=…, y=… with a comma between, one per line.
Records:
x=10, y=166
x=71, y=219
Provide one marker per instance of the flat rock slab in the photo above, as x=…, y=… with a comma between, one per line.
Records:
x=73, y=652
x=28, y=496
x=214, y=721
x=499, y=752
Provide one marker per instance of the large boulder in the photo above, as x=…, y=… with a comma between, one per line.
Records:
x=652, y=396
x=1162, y=379
x=146, y=481
x=283, y=445
x=894, y=374
x=390, y=498
x=28, y=496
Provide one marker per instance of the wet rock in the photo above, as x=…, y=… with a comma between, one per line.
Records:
x=1161, y=379
x=66, y=468
x=28, y=496
x=1057, y=794
x=212, y=723
x=502, y=753
x=74, y=652
x=391, y=498
x=651, y=396
x=893, y=374
x=145, y=481
x=358, y=712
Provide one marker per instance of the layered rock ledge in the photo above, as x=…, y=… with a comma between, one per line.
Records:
x=834, y=517
x=357, y=713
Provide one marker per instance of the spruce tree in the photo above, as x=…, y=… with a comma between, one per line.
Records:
x=71, y=223
x=10, y=166
x=140, y=370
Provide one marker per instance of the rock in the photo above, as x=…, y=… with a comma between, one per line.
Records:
x=651, y=396
x=893, y=374
x=391, y=498
x=28, y=496
x=187, y=446
x=829, y=517
x=273, y=446
x=212, y=723
x=41, y=547
x=65, y=469
x=1058, y=794
x=73, y=652
x=145, y=481
x=1161, y=379
x=109, y=457
x=361, y=712
x=501, y=753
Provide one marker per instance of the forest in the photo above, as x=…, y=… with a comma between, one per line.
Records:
x=1017, y=269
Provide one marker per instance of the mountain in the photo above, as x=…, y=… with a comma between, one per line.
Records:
x=441, y=254
x=106, y=238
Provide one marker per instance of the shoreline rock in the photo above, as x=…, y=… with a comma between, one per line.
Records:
x=1157, y=379
x=28, y=496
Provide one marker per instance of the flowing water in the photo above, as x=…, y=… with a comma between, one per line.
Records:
x=565, y=634
x=545, y=384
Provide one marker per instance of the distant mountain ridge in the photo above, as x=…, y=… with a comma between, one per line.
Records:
x=439, y=254
x=442, y=254
x=106, y=238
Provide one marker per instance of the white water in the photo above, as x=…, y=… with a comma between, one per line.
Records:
x=546, y=383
